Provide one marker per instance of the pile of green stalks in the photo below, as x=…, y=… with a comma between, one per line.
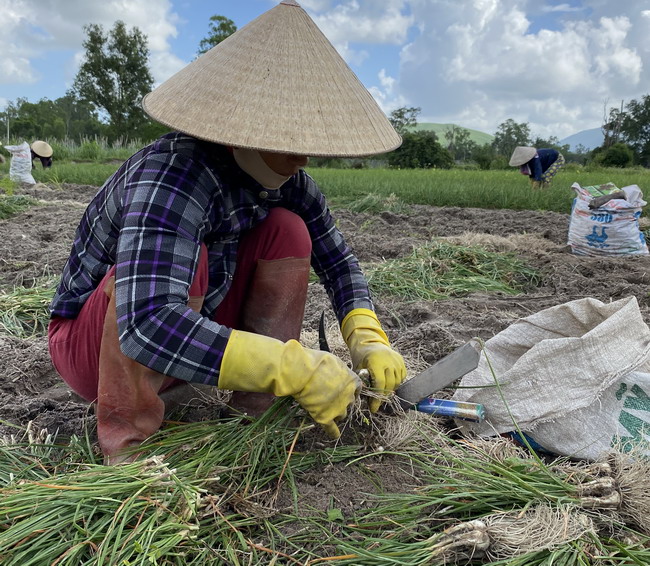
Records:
x=11, y=205
x=374, y=203
x=439, y=270
x=24, y=310
x=207, y=494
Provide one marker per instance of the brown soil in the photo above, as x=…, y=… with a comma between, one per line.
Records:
x=37, y=242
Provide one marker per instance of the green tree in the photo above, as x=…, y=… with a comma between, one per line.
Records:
x=612, y=127
x=617, y=155
x=404, y=119
x=483, y=155
x=635, y=128
x=62, y=118
x=458, y=142
x=9, y=117
x=114, y=76
x=509, y=135
x=550, y=142
x=80, y=118
x=219, y=29
x=420, y=150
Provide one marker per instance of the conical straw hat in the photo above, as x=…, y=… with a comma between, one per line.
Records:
x=521, y=155
x=277, y=84
x=41, y=148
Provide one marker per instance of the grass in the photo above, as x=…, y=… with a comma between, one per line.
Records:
x=502, y=189
x=94, y=174
x=435, y=271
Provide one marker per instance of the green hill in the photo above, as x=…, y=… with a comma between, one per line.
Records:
x=477, y=137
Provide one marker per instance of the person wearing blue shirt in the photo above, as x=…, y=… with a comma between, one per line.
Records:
x=541, y=165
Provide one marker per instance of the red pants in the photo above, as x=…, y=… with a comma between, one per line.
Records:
x=75, y=343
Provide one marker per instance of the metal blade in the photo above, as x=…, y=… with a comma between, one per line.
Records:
x=441, y=374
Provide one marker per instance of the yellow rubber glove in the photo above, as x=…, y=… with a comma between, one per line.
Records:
x=370, y=349
x=323, y=385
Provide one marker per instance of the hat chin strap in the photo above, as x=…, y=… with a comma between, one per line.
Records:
x=252, y=163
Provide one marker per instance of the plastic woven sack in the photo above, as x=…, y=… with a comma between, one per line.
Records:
x=610, y=229
x=574, y=377
x=20, y=168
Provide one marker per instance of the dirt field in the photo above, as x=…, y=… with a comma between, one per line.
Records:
x=37, y=242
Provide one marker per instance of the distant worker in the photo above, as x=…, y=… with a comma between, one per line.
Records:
x=43, y=151
x=540, y=165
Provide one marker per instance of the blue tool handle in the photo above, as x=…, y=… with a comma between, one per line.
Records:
x=456, y=409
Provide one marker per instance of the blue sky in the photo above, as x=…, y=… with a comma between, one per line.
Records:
x=554, y=64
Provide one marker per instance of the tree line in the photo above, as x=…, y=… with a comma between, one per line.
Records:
x=105, y=101
x=106, y=95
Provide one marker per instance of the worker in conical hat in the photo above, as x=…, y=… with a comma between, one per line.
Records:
x=42, y=151
x=540, y=165
x=192, y=262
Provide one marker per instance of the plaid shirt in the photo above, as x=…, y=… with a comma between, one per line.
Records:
x=149, y=220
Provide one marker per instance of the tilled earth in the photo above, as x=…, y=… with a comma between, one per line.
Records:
x=37, y=242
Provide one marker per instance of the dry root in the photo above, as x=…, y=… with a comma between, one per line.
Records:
x=408, y=430
x=631, y=472
x=539, y=528
x=621, y=483
x=506, y=535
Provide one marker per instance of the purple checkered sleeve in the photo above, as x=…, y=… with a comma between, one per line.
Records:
x=163, y=224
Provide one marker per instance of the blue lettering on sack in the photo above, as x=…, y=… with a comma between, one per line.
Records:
x=604, y=217
x=596, y=240
x=638, y=400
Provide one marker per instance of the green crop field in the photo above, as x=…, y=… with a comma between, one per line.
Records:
x=393, y=187
x=457, y=187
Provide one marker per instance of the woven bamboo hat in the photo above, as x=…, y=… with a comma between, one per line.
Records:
x=277, y=84
x=521, y=155
x=42, y=149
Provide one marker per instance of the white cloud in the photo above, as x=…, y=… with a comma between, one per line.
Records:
x=380, y=21
x=385, y=94
x=477, y=63
x=561, y=8
x=32, y=27
x=359, y=21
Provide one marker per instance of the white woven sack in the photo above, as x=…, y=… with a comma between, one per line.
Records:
x=611, y=229
x=20, y=168
x=575, y=377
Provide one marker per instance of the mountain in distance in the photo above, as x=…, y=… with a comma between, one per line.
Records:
x=589, y=139
x=480, y=138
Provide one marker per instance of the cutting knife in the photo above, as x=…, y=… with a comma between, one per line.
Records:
x=416, y=393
